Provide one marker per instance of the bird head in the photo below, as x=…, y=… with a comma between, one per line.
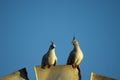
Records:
x=52, y=45
x=74, y=38
x=74, y=41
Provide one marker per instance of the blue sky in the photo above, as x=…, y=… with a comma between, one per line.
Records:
x=27, y=28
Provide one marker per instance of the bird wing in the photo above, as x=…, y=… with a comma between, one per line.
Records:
x=71, y=58
x=44, y=60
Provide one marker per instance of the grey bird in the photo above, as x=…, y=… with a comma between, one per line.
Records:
x=75, y=56
x=50, y=58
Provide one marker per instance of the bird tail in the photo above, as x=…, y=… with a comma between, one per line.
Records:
x=79, y=73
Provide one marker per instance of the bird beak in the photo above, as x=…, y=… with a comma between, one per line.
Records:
x=54, y=45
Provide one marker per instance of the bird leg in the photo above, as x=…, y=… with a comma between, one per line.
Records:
x=46, y=66
x=50, y=66
x=73, y=65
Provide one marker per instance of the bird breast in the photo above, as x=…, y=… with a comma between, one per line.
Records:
x=52, y=58
x=78, y=57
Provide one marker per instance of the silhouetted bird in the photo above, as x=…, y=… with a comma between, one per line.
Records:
x=75, y=56
x=49, y=59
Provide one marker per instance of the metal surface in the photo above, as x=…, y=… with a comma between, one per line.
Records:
x=62, y=72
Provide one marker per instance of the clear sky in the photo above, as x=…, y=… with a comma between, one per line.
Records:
x=27, y=28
